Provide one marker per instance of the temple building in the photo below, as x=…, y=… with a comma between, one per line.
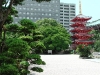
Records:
x=94, y=24
x=80, y=31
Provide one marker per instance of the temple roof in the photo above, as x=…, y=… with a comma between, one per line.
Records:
x=83, y=16
x=93, y=23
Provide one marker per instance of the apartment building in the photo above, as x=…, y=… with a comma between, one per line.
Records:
x=67, y=12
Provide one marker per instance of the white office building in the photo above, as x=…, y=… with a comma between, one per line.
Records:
x=61, y=12
x=67, y=12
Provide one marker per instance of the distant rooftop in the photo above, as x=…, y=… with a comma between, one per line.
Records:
x=93, y=23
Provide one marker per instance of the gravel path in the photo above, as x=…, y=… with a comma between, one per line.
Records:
x=68, y=65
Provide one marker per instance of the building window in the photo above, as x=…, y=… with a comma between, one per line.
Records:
x=66, y=17
x=24, y=8
x=27, y=13
x=72, y=11
x=66, y=5
x=49, y=5
x=20, y=12
x=35, y=18
x=56, y=14
x=53, y=1
x=20, y=17
x=66, y=11
x=61, y=4
x=49, y=14
x=31, y=13
x=42, y=14
x=16, y=17
x=24, y=13
x=66, y=23
x=27, y=8
x=27, y=17
x=39, y=9
x=66, y=20
x=57, y=19
x=31, y=17
x=31, y=4
x=38, y=18
x=35, y=13
x=71, y=17
x=38, y=13
x=72, y=14
x=61, y=17
x=61, y=8
x=46, y=14
x=56, y=10
x=72, y=5
x=42, y=9
x=31, y=8
x=20, y=8
x=23, y=17
x=56, y=6
x=49, y=9
x=72, y=8
x=66, y=8
x=15, y=22
x=61, y=14
x=38, y=4
x=66, y=14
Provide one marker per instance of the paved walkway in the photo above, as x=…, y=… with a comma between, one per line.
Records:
x=68, y=65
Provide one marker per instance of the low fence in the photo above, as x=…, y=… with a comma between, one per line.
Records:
x=96, y=55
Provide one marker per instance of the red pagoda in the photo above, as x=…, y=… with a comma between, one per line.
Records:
x=80, y=31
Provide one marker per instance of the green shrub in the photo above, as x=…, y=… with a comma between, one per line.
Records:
x=83, y=50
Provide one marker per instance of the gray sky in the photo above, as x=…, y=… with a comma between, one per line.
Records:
x=89, y=7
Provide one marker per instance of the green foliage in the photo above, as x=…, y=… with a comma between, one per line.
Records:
x=38, y=46
x=37, y=69
x=37, y=35
x=96, y=34
x=37, y=59
x=27, y=26
x=8, y=70
x=28, y=23
x=56, y=37
x=47, y=22
x=96, y=39
x=12, y=27
x=97, y=46
x=84, y=51
x=26, y=38
x=13, y=50
x=19, y=47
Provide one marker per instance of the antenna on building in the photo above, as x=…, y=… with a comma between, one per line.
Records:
x=80, y=10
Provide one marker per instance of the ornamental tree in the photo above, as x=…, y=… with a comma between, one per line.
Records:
x=5, y=11
x=22, y=48
x=55, y=37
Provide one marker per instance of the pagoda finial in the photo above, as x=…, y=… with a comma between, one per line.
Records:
x=80, y=10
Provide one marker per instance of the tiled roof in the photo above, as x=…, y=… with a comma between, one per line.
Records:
x=83, y=16
x=93, y=23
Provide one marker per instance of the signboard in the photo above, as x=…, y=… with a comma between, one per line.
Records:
x=49, y=51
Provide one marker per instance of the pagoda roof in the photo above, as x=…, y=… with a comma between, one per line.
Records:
x=83, y=16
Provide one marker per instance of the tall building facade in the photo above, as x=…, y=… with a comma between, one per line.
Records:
x=35, y=11
x=67, y=12
x=61, y=12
